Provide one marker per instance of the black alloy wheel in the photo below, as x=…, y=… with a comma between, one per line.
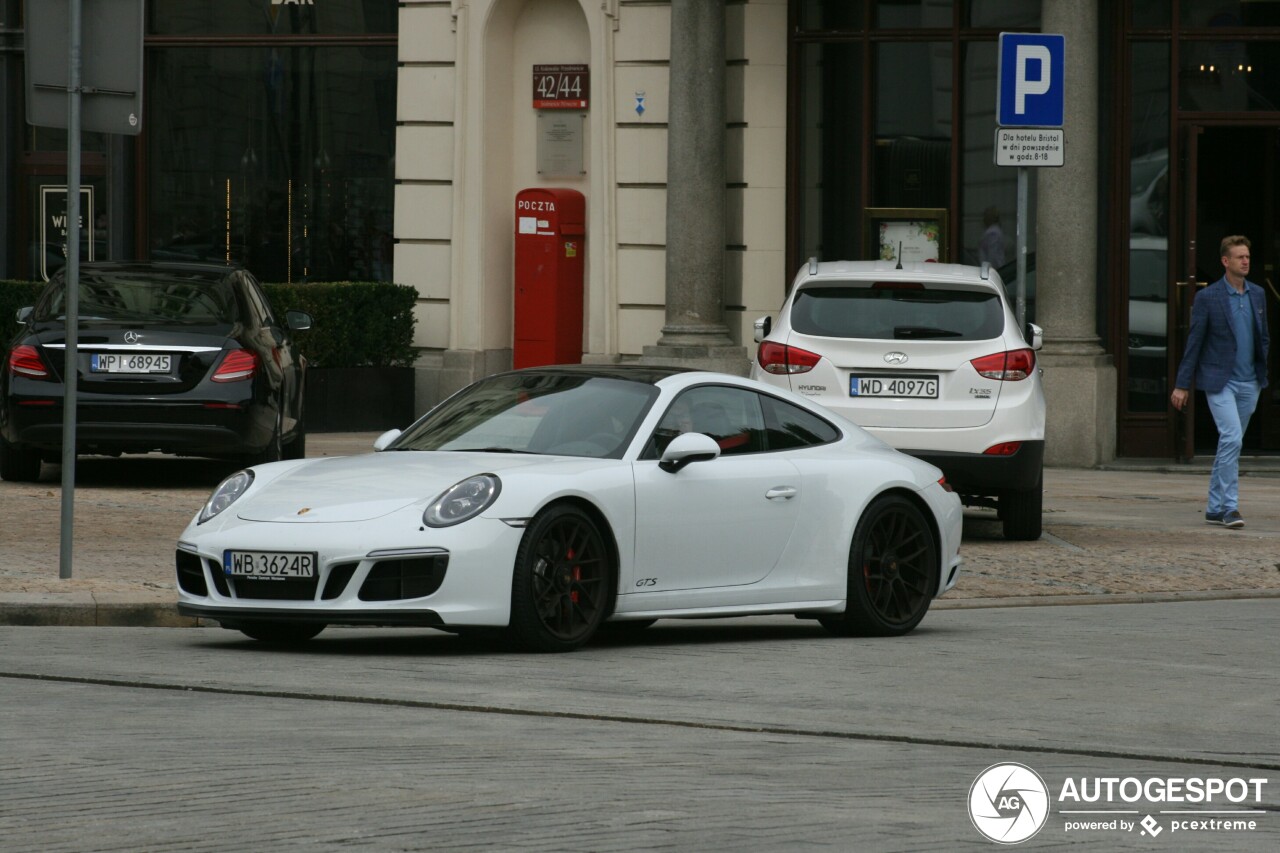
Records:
x=562, y=581
x=893, y=571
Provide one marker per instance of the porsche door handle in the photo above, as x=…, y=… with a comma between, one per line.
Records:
x=780, y=493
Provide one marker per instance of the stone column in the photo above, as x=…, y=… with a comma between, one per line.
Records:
x=695, y=334
x=1079, y=376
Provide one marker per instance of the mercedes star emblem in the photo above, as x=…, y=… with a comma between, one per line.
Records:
x=132, y=337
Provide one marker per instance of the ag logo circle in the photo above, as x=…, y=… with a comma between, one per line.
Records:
x=1008, y=803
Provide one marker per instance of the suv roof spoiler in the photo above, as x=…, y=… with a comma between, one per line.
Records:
x=813, y=265
x=986, y=270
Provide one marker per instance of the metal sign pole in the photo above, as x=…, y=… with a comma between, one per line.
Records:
x=1021, y=248
x=72, y=367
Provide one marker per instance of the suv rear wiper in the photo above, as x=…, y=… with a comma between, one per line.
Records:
x=923, y=332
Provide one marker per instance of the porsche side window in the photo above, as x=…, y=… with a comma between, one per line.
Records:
x=731, y=416
x=790, y=426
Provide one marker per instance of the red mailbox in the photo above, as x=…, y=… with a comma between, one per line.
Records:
x=550, y=229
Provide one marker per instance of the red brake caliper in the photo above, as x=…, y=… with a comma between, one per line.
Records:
x=577, y=576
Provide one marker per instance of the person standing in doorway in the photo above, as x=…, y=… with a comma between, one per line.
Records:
x=1226, y=356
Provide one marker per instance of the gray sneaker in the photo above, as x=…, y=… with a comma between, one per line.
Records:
x=1232, y=518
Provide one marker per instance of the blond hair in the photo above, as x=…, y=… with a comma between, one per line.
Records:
x=1229, y=243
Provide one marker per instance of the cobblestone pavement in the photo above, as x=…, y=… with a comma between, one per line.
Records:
x=1109, y=533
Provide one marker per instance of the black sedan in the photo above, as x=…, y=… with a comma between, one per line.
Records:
x=176, y=358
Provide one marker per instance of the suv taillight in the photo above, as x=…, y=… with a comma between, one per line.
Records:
x=26, y=361
x=237, y=365
x=1010, y=366
x=781, y=359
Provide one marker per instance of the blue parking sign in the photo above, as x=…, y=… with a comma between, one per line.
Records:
x=1030, y=89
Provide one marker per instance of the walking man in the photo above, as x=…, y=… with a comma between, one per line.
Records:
x=1226, y=355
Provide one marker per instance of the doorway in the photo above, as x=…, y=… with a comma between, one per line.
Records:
x=1230, y=188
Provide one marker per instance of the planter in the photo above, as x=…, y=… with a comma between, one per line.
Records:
x=358, y=399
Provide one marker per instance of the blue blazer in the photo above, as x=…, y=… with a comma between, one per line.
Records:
x=1210, y=356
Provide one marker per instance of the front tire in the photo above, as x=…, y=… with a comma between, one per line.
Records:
x=281, y=633
x=893, y=571
x=562, y=582
x=18, y=465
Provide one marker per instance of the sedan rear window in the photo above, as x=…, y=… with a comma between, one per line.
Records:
x=137, y=299
x=897, y=312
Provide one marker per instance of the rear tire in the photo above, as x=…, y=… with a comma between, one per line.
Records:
x=18, y=465
x=893, y=571
x=281, y=633
x=1022, y=512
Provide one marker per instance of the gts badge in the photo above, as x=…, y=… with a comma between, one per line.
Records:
x=980, y=393
x=643, y=582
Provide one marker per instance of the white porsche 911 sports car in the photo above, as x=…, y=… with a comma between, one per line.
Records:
x=549, y=501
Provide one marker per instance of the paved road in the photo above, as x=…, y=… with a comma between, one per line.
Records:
x=722, y=735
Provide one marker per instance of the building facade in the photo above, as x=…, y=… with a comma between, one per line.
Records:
x=385, y=140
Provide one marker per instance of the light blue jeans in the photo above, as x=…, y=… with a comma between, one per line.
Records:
x=1232, y=407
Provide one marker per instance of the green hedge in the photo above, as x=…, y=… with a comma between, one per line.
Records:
x=354, y=324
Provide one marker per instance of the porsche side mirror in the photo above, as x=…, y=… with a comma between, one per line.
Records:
x=381, y=442
x=763, y=327
x=686, y=448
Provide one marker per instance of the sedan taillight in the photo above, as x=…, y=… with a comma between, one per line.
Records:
x=781, y=359
x=26, y=361
x=1010, y=366
x=237, y=365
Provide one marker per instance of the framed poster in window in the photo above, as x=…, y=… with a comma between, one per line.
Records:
x=914, y=233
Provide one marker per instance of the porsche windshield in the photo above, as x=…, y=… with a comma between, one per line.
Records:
x=552, y=413
x=138, y=299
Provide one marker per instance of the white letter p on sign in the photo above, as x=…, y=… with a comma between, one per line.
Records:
x=1022, y=86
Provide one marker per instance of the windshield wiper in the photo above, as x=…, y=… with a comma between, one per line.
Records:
x=923, y=332
x=488, y=450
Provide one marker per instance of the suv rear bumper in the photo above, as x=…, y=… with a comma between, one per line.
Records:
x=982, y=474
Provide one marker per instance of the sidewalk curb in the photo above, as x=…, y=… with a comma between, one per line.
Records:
x=115, y=610
x=1104, y=598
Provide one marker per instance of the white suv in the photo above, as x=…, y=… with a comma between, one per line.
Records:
x=929, y=358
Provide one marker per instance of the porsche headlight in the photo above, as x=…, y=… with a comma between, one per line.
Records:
x=462, y=501
x=226, y=494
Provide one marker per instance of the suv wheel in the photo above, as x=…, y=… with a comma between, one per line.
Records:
x=1021, y=512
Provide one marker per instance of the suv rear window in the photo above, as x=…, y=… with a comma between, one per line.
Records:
x=897, y=312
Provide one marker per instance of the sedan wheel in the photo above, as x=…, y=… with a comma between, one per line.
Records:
x=893, y=571
x=562, y=581
x=281, y=633
x=18, y=465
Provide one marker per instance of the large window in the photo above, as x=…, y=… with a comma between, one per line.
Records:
x=280, y=158
x=893, y=106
